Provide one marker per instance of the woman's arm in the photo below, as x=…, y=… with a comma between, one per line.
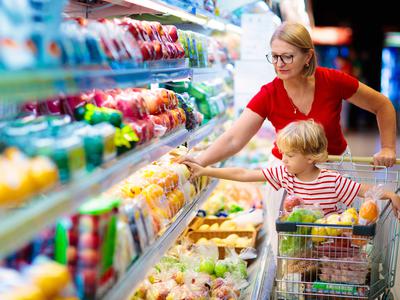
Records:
x=231, y=141
x=375, y=102
x=236, y=174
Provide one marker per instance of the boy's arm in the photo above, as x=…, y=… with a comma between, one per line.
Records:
x=236, y=174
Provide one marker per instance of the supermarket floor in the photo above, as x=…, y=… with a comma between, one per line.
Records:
x=366, y=144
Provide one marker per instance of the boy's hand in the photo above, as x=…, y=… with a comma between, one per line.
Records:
x=395, y=204
x=195, y=169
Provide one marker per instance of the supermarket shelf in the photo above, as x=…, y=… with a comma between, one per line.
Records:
x=174, y=8
x=125, y=287
x=204, y=74
x=41, y=84
x=43, y=211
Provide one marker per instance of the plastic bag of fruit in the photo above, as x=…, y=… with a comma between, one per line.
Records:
x=369, y=210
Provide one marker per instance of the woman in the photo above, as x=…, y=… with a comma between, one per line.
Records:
x=302, y=91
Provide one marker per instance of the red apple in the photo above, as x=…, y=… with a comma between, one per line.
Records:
x=72, y=255
x=166, y=122
x=100, y=98
x=145, y=50
x=156, y=27
x=172, y=31
x=144, y=129
x=72, y=237
x=154, y=104
x=125, y=107
x=181, y=51
x=88, y=257
x=171, y=119
x=140, y=103
x=53, y=107
x=89, y=240
x=150, y=30
x=291, y=202
x=89, y=278
x=158, y=49
x=165, y=51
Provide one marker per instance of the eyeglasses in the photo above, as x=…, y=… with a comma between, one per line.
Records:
x=285, y=58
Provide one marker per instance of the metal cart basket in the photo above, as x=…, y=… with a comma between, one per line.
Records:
x=322, y=261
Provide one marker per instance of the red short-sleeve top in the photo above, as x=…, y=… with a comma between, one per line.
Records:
x=331, y=87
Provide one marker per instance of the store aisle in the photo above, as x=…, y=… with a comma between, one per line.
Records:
x=365, y=143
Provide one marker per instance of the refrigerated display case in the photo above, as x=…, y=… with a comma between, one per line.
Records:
x=43, y=82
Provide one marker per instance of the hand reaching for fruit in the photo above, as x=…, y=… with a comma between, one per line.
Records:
x=195, y=169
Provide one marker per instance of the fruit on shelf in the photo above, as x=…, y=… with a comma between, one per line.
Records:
x=220, y=269
x=204, y=227
x=207, y=266
x=89, y=257
x=228, y=225
x=172, y=31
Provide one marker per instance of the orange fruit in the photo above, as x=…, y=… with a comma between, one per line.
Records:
x=369, y=211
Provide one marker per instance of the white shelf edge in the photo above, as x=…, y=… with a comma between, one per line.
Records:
x=138, y=271
x=262, y=289
x=128, y=7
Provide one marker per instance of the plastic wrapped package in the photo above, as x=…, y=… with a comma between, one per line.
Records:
x=52, y=278
x=24, y=177
x=125, y=250
x=161, y=127
x=176, y=200
x=144, y=129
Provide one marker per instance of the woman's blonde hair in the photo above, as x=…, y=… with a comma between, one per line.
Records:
x=306, y=137
x=297, y=35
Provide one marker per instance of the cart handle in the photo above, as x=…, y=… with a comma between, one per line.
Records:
x=355, y=159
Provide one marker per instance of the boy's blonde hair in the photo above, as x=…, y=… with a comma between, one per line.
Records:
x=306, y=137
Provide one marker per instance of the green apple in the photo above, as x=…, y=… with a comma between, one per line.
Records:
x=207, y=266
x=220, y=268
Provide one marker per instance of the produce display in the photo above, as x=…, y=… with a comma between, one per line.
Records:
x=212, y=98
x=25, y=177
x=232, y=197
x=194, y=272
x=44, y=279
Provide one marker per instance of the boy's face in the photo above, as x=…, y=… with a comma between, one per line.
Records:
x=296, y=162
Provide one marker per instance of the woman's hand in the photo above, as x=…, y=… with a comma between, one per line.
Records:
x=195, y=169
x=386, y=157
x=186, y=158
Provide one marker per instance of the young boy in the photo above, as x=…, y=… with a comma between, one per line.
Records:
x=303, y=144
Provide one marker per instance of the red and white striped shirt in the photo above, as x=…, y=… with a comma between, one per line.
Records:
x=327, y=189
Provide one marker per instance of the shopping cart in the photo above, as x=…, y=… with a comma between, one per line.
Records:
x=340, y=261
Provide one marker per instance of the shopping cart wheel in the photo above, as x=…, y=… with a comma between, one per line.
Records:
x=388, y=296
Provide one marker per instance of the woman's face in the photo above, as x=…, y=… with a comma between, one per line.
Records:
x=290, y=60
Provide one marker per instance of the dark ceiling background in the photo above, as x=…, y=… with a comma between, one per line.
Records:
x=369, y=22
